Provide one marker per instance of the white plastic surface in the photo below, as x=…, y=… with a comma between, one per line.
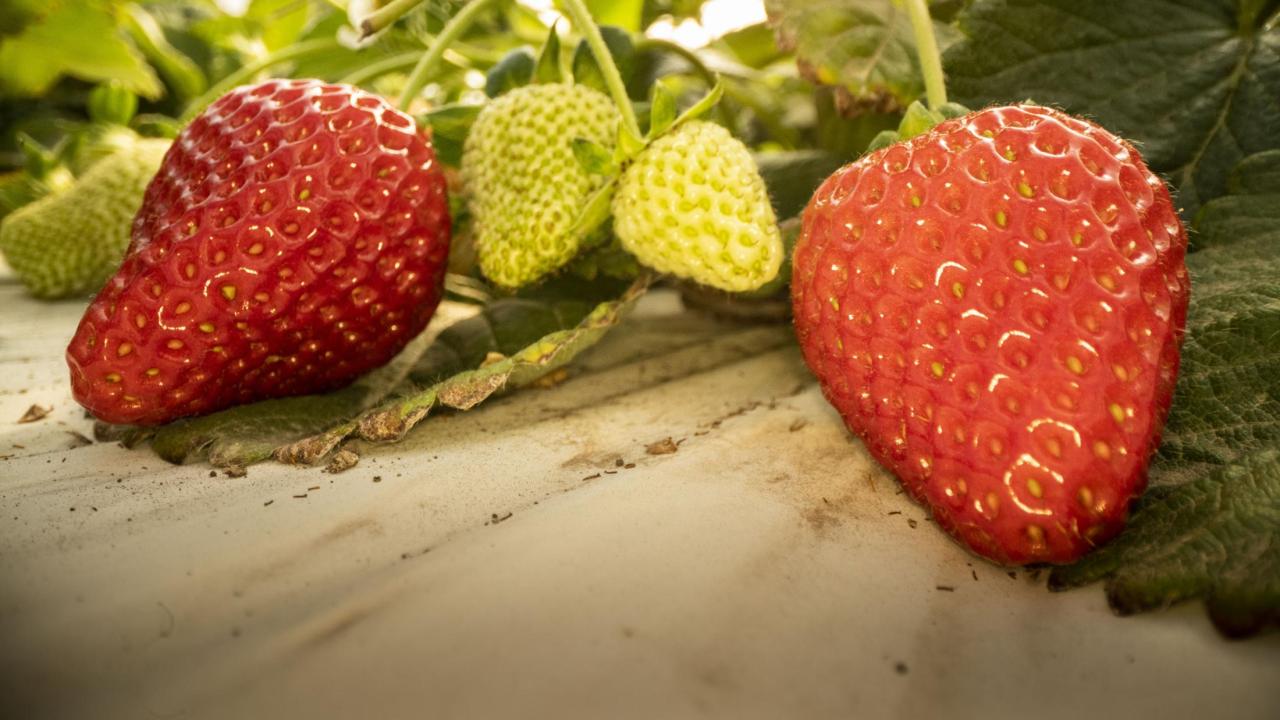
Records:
x=766, y=569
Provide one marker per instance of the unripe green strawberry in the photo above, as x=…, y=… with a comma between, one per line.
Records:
x=524, y=185
x=693, y=204
x=69, y=243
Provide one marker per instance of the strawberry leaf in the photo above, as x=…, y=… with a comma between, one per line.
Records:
x=1194, y=81
x=511, y=342
x=586, y=69
x=248, y=434
x=662, y=110
x=548, y=69
x=594, y=158
x=528, y=361
x=81, y=39
x=449, y=127
x=865, y=48
x=514, y=70
x=1209, y=527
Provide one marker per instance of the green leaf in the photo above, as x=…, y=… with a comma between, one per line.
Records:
x=593, y=158
x=181, y=74
x=1214, y=537
x=586, y=70
x=110, y=102
x=281, y=22
x=1209, y=526
x=916, y=120
x=248, y=434
x=865, y=48
x=883, y=139
x=625, y=14
x=449, y=127
x=1195, y=83
x=753, y=46
x=629, y=145
x=703, y=106
x=81, y=39
x=514, y=70
x=509, y=361
x=662, y=110
x=595, y=213
x=1250, y=209
x=548, y=69
x=511, y=342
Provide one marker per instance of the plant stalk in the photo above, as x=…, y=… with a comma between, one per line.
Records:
x=935, y=85
x=587, y=27
x=386, y=16
x=244, y=74
x=454, y=29
x=705, y=73
x=396, y=63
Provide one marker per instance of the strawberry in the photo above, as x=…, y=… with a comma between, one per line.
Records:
x=996, y=308
x=68, y=244
x=694, y=205
x=524, y=186
x=294, y=238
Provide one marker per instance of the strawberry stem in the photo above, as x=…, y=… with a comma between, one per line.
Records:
x=583, y=23
x=700, y=68
x=453, y=29
x=927, y=50
x=386, y=16
x=246, y=73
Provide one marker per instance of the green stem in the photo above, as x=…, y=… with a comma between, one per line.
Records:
x=454, y=29
x=396, y=63
x=386, y=16
x=362, y=75
x=587, y=27
x=927, y=49
x=246, y=73
x=695, y=62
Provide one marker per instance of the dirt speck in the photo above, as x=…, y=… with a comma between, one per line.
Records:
x=797, y=425
x=342, y=461
x=666, y=446
x=900, y=668
x=78, y=440
x=35, y=413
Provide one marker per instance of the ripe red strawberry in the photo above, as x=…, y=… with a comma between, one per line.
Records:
x=294, y=238
x=996, y=307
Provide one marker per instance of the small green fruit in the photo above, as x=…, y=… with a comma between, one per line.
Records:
x=69, y=243
x=524, y=185
x=693, y=204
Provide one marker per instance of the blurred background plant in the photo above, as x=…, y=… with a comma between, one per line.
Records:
x=164, y=59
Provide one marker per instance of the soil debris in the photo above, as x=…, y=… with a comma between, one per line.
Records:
x=35, y=413
x=665, y=446
x=78, y=440
x=342, y=461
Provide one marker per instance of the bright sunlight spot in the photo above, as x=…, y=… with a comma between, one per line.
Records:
x=718, y=17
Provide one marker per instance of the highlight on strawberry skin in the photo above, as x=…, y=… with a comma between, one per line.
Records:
x=294, y=238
